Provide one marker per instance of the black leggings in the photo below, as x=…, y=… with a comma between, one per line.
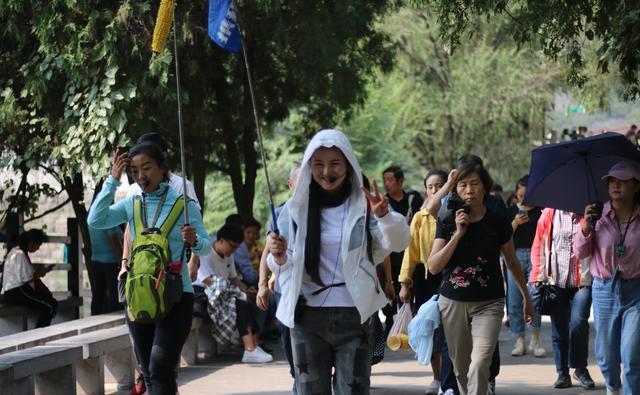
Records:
x=104, y=295
x=158, y=346
x=38, y=298
x=245, y=318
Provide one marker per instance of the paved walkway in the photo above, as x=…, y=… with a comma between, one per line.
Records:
x=398, y=374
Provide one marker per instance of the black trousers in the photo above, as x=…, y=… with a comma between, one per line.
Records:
x=245, y=317
x=38, y=298
x=158, y=346
x=104, y=295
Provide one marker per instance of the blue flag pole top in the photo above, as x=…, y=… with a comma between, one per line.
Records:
x=224, y=30
x=223, y=25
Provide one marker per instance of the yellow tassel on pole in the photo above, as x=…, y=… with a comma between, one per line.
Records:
x=163, y=25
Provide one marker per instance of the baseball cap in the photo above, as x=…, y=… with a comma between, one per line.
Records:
x=624, y=171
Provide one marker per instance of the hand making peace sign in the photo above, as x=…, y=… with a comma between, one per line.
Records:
x=379, y=203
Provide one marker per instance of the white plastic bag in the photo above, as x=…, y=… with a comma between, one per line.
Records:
x=398, y=338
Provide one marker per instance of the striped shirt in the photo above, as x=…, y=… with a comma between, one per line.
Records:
x=565, y=227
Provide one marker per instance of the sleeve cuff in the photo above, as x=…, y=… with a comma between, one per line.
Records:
x=113, y=182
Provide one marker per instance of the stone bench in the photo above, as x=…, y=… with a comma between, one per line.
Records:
x=15, y=318
x=39, y=336
x=105, y=348
x=46, y=370
x=199, y=342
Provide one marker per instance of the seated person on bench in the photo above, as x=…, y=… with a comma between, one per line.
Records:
x=21, y=284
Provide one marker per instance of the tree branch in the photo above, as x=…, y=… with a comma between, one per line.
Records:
x=49, y=211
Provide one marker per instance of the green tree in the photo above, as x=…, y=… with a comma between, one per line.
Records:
x=561, y=28
x=78, y=79
x=488, y=98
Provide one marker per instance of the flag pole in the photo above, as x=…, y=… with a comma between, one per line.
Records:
x=274, y=224
x=187, y=246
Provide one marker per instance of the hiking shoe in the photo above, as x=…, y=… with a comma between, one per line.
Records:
x=535, y=346
x=139, y=387
x=518, y=348
x=584, y=378
x=433, y=388
x=256, y=356
x=563, y=381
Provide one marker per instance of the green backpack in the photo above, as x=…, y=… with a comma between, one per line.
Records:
x=153, y=286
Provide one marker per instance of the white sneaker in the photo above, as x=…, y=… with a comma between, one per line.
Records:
x=536, y=347
x=449, y=392
x=613, y=392
x=433, y=388
x=518, y=348
x=256, y=356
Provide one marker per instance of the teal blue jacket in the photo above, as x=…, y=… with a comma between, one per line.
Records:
x=104, y=215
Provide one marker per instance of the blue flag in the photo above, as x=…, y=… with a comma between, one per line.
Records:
x=223, y=26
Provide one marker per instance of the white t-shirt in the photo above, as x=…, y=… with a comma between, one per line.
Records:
x=17, y=270
x=331, y=269
x=175, y=181
x=214, y=264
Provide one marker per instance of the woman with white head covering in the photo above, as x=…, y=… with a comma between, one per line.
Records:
x=336, y=230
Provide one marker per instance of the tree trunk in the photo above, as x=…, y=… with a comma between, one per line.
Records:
x=75, y=189
x=199, y=172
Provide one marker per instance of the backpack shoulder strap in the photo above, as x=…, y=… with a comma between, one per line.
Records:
x=410, y=210
x=173, y=216
x=137, y=216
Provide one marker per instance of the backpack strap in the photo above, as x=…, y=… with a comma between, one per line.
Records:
x=137, y=216
x=410, y=210
x=173, y=216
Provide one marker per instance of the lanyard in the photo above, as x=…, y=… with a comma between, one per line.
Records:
x=620, y=248
x=158, y=209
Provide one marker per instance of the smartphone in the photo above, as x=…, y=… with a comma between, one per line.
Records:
x=523, y=212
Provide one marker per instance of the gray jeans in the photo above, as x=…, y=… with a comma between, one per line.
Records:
x=331, y=337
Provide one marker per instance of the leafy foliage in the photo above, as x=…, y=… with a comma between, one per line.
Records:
x=561, y=28
x=487, y=98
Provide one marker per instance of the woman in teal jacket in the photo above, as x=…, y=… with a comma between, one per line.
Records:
x=157, y=344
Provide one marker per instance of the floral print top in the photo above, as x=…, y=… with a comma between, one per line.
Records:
x=473, y=273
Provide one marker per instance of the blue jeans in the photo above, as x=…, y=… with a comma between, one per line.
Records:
x=514, y=297
x=570, y=328
x=616, y=307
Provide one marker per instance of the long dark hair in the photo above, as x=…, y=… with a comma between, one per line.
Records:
x=319, y=199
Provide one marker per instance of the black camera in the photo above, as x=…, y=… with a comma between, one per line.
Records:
x=456, y=203
x=596, y=213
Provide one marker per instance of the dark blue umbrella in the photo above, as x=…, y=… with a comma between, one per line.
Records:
x=566, y=176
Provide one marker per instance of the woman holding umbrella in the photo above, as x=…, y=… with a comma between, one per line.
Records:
x=614, y=245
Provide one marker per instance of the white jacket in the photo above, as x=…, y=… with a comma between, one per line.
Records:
x=389, y=233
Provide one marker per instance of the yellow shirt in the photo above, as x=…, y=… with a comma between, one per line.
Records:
x=423, y=233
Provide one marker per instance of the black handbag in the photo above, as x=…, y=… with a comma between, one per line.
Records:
x=543, y=298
